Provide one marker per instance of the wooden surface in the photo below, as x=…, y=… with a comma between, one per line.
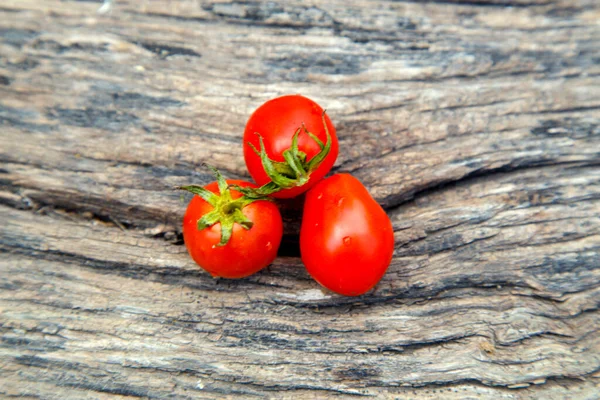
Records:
x=475, y=124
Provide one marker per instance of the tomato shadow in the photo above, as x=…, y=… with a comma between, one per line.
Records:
x=291, y=213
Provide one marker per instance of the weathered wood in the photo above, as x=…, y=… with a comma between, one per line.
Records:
x=475, y=124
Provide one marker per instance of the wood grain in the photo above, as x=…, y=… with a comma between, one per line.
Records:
x=476, y=124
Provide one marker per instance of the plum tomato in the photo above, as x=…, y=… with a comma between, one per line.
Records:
x=346, y=238
x=227, y=234
x=289, y=145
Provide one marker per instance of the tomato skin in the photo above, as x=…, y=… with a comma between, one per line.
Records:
x=346, y=238
x=276, y=121
x=248, y=251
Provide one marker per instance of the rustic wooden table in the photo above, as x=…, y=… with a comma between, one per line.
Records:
x=475, y=123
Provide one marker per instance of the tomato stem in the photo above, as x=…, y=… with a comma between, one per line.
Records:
x=226, y=210
x=296, y=170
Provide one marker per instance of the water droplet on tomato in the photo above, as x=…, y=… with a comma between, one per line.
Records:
x=269, y=246
x=340, y=201
x=214, y=246
x=347, y=241
x=320, y=196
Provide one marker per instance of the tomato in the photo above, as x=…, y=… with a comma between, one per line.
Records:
x=346, y=238
x=227, y=235
x=291, y=167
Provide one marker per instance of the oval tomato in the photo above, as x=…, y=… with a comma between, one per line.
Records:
x=271, y=130
x=232, y=237
x=346, y=238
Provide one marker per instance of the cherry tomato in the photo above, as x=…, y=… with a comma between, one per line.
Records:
x=232, y=237
x=293, y=166
x=346, y=238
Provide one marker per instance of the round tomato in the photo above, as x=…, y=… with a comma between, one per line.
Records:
x=346, y=238
x=290, y=144
x=228, y=235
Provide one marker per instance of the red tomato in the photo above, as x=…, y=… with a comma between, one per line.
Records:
x=248, y=250
x=276, y=121
x=346, y=238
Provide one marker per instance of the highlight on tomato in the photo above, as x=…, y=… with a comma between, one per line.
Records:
x=228, y=234
x=346, y=238
x=289, y=145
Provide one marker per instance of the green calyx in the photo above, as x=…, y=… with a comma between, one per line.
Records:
x=226, y=210
x=295, y=170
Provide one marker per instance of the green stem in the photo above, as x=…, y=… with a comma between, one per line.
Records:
x=297, y=168
x=226, y=211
